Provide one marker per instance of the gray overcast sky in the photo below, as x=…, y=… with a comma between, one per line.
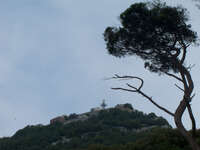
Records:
x=53, y=61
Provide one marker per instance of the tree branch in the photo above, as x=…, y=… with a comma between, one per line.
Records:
x=138, y=90
x=179, y=88
x=123, y=89
x=152, y=101
x=174, y=76
x=184, y=51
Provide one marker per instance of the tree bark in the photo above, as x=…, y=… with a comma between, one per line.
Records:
x=192, y=120
x=188, y=89
x=178, y=121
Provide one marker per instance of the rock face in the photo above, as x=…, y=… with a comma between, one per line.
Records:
x=126, y=108
x=60, y=119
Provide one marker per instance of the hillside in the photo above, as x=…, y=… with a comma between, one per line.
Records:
x=111, y=128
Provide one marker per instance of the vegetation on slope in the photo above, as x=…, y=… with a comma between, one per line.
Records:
x=105, y=130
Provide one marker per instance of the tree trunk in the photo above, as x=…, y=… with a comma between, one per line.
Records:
x=178, y=121
x=192, y=120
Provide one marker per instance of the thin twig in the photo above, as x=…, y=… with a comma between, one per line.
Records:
x=192, y=97
x=179, y=87
x=190, y=67
x=138, y=90
x=147, y=97
x=172, y=75
x=131, y=77
x=123, y=89
x=152, y=101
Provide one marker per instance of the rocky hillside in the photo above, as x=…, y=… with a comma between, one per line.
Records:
x=119, y=125
x=123, y=109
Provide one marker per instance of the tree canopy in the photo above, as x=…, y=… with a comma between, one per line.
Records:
x=154, y=32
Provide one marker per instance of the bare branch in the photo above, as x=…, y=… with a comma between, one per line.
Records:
x=138, y=90
x=190, y=67
x=142, y=82
x=123, y=89
x=131, y=77
x=149, y=98
x=152, y=101
x=187, y=45
x=179, y=87
x=192, y=97
x=126, y=77
x=107, y=78
x=174, y=76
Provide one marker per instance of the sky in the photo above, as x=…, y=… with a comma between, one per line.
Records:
x=53, y=61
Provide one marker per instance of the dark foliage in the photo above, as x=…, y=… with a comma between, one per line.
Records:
x=127, y=105
x=157, y=139
x=154, y=32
